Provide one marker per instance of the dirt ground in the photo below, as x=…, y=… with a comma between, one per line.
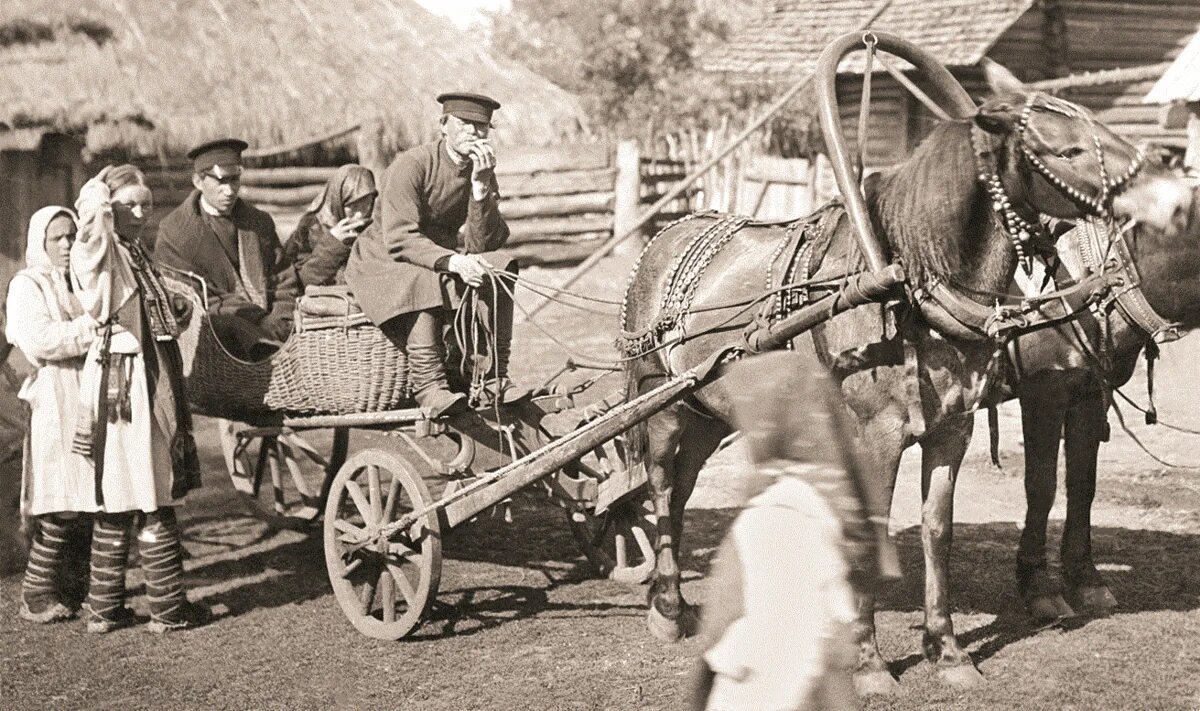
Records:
x=521, y=624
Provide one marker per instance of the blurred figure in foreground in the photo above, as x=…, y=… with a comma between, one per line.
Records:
x=776, y=629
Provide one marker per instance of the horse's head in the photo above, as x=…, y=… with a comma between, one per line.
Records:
x=1053, y=157
x=1169, y=267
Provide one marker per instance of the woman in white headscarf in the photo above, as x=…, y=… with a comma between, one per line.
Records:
x=47, y=323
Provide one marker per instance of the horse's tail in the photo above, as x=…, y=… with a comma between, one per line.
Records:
x=637, y=439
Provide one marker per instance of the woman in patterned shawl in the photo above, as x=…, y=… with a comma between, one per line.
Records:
x=134, y=423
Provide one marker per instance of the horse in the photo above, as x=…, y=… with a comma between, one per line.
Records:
x=1064, y=378
x=946, y=221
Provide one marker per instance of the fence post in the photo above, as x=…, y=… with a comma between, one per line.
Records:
x=627, y=196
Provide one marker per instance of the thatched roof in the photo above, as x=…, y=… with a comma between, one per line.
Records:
x=784, y=44
x=157, y=76
x=1181, y=81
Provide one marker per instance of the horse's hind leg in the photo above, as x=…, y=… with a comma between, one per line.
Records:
x=941, y=457
x=666, y=616
x=1084, y=429
x=1042, y=422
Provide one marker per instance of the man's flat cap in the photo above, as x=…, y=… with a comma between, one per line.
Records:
x=223, y=156
x=468, y=107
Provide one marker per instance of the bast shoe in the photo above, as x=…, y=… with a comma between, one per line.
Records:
x=111, y=622
x=189, y=616
x=54, y=612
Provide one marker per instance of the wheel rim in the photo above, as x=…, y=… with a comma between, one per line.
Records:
x=383, y=584
x=283, y=476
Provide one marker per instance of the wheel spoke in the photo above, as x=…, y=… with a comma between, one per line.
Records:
x=351, y=567
x=389, y=509
x=360, y=501
x=345, y=526
x=376, y=492
x=387, y=594
x=402, y=582
x=277, y=480
x=366, y=597
x=621, y=553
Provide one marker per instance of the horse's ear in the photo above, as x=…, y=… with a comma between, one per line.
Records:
x=1000, y=79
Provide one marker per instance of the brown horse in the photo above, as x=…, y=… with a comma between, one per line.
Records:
x=1064, y=378
x=905, y=382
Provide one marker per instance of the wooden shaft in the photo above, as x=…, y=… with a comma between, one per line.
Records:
x=865, y=288
x=835, y=140
x=691, y=177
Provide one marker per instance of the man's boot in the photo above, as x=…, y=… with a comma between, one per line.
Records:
x=427, y=368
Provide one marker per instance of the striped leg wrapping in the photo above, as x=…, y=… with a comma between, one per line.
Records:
x=110, y=553
x=39, y=589
x=161, y=548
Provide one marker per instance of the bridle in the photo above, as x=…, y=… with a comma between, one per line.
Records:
x=1026, y=236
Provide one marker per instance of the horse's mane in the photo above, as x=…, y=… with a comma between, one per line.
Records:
x=924, y=204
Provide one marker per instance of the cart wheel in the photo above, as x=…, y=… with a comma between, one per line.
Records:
x=619, y=543
x=281, y=473
x=383, y=582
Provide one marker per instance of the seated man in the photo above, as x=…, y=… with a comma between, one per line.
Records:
x=439, y=220
x=252, y=287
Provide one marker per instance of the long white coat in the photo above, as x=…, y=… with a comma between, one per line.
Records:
x=46, y=322
x=137, y=458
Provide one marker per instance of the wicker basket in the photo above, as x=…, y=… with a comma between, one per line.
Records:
x=222, y=385
x=337, y=365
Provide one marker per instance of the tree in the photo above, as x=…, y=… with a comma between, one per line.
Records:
x=633, y=62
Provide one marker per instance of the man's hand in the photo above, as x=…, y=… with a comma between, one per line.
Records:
x=483, y=163
x=470, y=267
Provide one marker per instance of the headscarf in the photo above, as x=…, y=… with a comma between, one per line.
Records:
x=51, y=280
x=349, y=183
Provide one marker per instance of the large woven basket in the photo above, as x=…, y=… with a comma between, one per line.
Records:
x=338, y=365
x=222, y=385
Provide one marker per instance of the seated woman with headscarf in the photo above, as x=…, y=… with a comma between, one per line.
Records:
x=48, y=324
x=321, y=243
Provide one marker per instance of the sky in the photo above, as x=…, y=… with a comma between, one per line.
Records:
x=462, y=12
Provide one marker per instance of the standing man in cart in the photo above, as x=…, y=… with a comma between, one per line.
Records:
x=440, y=224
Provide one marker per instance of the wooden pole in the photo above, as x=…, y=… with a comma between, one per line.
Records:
x=628, y=197
x=586, y=265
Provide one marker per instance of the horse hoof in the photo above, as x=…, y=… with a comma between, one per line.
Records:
x=876, y=683
x=663, y=628
x=1096, y=600
x=1049, y=608
x=961, y=676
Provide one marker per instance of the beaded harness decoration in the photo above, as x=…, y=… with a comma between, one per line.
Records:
x=1021, y=232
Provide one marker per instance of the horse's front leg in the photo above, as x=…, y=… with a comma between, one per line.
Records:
x=667, y=616
x=1042, y=423
x=1085, y=424
x=941, y=457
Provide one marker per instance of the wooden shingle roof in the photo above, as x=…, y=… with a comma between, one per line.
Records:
x=784, y=44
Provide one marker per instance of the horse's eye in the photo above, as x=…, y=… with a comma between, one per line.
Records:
x=1070, y=152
